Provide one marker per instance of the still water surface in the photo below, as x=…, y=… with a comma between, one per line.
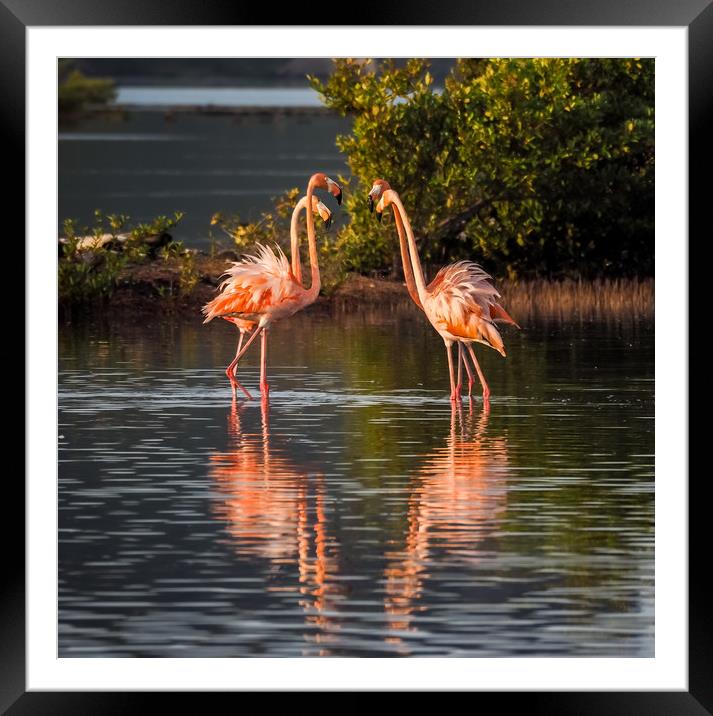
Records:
x=218, y=96
x=358, y=514
x=147, y=164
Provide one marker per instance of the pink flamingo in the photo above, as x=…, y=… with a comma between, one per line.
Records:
x=460, y=302
x=380, y=186
x=244, y=326
x=263, y=289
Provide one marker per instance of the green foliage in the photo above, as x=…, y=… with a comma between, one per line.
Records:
x=160, y=225
x=530, y=166
x=273, y=227
x=76, y=91
x=84, y=275
x=188, y=276
x=87, y=273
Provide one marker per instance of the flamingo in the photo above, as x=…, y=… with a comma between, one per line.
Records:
x=380, y=185
x=263, y=289
x=460, y=302
x=245, y=326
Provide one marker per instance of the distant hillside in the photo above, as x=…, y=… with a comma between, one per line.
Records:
x=255, y=72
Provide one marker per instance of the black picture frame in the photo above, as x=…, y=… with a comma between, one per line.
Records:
x=696, y=15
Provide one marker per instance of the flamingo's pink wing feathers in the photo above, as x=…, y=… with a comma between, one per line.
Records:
x=498, y=313
x=253, y=286
x=464, y=302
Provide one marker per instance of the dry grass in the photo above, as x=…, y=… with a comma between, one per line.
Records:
x=579, y=300
x=629, y=299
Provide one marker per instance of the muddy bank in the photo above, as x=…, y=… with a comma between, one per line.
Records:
x=179, y=291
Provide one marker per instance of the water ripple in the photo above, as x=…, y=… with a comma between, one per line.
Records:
x=358, y=513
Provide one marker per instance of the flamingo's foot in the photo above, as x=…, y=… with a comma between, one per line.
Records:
x=235, y=384
x=244, y=389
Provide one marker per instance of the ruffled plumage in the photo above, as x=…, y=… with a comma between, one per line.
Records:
x=463, y=303
x=254, y=286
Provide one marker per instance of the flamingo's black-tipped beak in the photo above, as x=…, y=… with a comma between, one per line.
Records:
x=328, y=222
x=370, y=202
x=334, y=189
x=379, y=214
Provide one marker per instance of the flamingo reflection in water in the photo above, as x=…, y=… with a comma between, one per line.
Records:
x=276, y=511
x=456, y=501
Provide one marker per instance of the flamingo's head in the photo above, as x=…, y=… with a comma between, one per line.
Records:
x=322, y=181
x=319, y=208
x=377, y=189
x=387, y=197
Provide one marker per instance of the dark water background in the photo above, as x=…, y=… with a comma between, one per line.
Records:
x=358, y=514
x=152, y=164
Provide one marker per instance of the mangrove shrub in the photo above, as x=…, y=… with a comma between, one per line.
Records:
x=538, y=167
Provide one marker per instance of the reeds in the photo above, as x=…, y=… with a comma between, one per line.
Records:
x=630, y=299
x=568, y=300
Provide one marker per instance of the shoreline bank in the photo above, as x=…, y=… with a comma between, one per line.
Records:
x=123, y=111
x=162, y=285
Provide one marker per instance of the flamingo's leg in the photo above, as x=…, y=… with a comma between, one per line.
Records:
x=238, y=356
x=253, y=336
x=229, y=370
x=232, y=371
x=468, y=370
x=486, y=390
x=240, y=345
x=264, y=387
x=459, y=380
x=449, y=353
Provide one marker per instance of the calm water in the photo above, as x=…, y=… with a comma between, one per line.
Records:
x=148, y=165
x=221, y=96
x=358, y=514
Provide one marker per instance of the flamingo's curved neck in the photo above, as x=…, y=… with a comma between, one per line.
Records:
x=408, y=271
x=295, y=240
x=313, y=264
x=415, y=261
